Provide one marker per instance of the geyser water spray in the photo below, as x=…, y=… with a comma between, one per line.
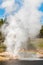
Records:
x=22, y=25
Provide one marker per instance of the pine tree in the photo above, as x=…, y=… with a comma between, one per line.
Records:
x=2, y=46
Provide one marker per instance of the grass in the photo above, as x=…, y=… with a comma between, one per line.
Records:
x=38, y=43
x=2, y=48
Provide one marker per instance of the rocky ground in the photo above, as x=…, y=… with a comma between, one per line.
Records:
x=8, y=56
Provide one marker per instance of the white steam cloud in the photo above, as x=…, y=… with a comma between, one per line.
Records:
x=24, y=24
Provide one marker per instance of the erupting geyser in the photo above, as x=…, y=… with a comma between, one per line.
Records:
x=22, y=25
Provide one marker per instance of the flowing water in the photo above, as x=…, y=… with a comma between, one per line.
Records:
x=26, y=62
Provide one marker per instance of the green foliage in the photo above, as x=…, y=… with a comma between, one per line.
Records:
x=2, y=47
x=1, y=22
x=41, y=32
x=40, y=43
x=2, y=37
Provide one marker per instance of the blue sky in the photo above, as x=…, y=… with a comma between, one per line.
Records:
x=41, y=7
x=2, y=11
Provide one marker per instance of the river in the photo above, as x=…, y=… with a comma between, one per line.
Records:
x=22, y=62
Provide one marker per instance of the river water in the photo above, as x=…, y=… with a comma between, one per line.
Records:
x=22, y=62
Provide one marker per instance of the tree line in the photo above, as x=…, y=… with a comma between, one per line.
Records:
x=2, y=46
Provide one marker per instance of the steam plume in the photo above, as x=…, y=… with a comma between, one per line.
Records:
x=22, y=25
